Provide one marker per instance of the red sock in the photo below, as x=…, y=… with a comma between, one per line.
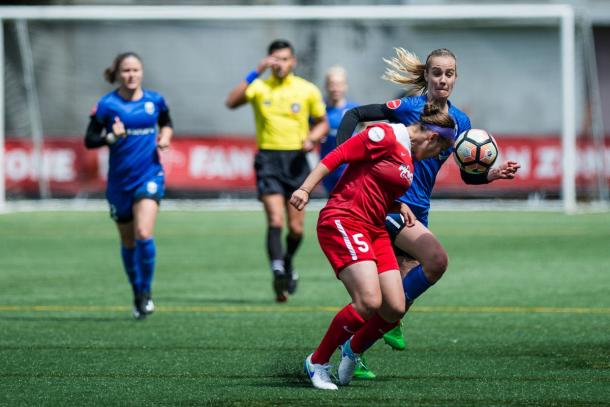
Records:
x=344, y=324
x=370, y=332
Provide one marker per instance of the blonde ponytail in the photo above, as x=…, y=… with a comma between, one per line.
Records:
x=407, y=70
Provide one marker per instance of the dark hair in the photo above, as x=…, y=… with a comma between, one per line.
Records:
x=279, y=44
x=433, y=114
x=111, y=71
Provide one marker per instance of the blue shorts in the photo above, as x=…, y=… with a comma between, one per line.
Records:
x=394, y=223
x=121, y=202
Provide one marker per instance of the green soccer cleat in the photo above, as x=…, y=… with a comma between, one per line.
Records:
x=362, y=371
x=394, y=338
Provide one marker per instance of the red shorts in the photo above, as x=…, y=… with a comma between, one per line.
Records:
x=345, y=241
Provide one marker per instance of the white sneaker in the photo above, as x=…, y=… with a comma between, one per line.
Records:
x=319, y=375
x=349, y=361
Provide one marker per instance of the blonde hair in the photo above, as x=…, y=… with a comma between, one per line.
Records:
x=336, y=70
x=406, y=69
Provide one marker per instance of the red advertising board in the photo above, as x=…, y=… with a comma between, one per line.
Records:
x=226, y=164
x=541, y=166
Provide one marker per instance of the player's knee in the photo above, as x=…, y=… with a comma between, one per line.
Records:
x=295, y=229
x=394, y=310
x=436, y=266
x=143, y=233
x=368, y=305
x=276, y=221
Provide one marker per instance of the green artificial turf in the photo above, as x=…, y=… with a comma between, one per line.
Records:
x=522, y=316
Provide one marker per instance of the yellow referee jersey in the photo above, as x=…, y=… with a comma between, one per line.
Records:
x=282, y=110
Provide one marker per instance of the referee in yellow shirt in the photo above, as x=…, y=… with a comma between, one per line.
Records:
x=284, y=106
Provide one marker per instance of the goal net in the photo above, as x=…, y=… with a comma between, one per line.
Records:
x=518, y=77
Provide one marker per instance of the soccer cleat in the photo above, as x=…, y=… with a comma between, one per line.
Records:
x=362, y=371
x=349, y=361
x=149, y=305
x=279, y=286
x=319, y=375
x=138, y=307
x=394, y=338
x=293, y=281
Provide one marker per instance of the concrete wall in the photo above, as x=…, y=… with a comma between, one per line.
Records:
x=509, y=77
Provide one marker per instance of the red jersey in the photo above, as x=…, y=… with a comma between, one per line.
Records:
x=380, y=170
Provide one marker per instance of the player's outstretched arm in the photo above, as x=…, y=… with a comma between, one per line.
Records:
x=506, y=170
x=300, y=197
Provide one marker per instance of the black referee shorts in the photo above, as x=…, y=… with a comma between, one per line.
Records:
x=280, y=171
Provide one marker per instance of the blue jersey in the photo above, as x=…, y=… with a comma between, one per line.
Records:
x=407, y=112
x=334, y=114
x=133, y=159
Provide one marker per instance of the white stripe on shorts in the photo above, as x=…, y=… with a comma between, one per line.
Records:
x=352, y=252
x=392, y=221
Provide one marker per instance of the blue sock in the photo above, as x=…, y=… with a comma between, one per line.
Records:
x=415, y=283
x=145, y=254
x=132, y=268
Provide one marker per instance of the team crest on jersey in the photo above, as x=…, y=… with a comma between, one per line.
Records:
x=393, y=104
x=152, y=187
x=405, y=172
x=267, y=102
x=376, y=134
x=295, y=107
x=149, y=107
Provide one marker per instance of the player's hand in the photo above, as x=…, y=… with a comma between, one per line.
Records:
x=408, y=215
x=118, y=128
x=506, y=170
x=163, y=143
x=299, y=198
x=308, y=145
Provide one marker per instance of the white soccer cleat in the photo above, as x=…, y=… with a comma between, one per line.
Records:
x=319, y=375
x=349, y=361
x=149, y=306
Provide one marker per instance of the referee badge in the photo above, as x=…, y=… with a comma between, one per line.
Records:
x=295, y=107
x=149, y=107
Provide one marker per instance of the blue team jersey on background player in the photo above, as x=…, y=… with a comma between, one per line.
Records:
x=418, y=196
x=334, y=114
x=133, y=159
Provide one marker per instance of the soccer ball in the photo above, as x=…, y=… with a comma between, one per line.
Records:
x=475, y=151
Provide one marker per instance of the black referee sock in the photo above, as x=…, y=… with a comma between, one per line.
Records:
x=274, y=246
x=292, y=244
